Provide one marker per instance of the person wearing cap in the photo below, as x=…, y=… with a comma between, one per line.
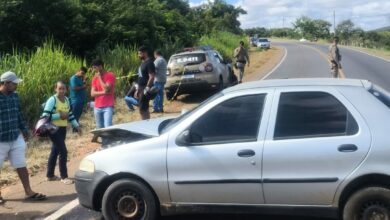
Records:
x=335, y=58
x=103, y=90
x=13, y=133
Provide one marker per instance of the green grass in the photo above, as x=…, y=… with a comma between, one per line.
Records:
x=224, y=42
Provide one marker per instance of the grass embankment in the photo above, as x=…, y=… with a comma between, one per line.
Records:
x=49, y=63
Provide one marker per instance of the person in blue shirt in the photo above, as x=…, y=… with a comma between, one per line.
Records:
x=78, y=94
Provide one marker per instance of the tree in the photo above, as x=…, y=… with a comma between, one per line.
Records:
x=305, y=26
x=344, y=30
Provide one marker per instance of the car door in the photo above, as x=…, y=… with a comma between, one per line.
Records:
x=316, y=138
x=221, y=160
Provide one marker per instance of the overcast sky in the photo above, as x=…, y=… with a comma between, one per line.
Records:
x=367, y=14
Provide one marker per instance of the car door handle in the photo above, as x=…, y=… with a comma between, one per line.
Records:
x=347, y=148
x=246, y=153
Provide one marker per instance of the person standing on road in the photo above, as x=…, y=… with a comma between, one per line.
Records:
x=146, y=74
x=159, y=81
x=78, y=94
x=58, y=109
x=242, y=58
x=13, y=133
x=335, y=58
x=103, y=90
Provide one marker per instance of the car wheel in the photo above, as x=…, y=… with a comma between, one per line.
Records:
x=170, y=95
x=372, y=203
x=128, y=199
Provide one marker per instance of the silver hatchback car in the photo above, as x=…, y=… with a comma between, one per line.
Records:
x=295, y=146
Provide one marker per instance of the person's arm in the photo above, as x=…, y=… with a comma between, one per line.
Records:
x=106, y=86
x=21, y=121
x=48, y=110
x=95, y=93
x=247, y=57
x=73, y=85
x=151, y=72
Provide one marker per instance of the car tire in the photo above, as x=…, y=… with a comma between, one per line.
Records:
x=129, y=199
x=368, y=203
x=170, y=95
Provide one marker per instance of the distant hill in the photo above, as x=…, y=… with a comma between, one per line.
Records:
x=383, y=29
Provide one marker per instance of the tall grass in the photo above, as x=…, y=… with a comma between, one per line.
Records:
x=39, y=70
x=224, y=42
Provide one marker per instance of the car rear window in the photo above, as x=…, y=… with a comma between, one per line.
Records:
x=185, y=59
x=312, y=114
x=380, y=94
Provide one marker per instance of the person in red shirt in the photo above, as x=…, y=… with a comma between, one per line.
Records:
x=103, y=90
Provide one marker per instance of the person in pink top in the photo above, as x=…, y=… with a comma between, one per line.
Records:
x=103, y=90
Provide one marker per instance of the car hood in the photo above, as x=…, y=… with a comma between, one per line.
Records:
x=128, y=132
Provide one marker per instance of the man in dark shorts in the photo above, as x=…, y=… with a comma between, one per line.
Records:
x=146, y=74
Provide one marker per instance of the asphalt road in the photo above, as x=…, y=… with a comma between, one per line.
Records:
x=309, y=60
x=302, y=60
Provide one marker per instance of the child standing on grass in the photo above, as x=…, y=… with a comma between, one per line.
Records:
x=58, y=109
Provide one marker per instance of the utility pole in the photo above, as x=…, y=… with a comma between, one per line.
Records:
x=334, y=22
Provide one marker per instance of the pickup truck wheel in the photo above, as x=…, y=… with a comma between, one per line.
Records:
x=128, y=199
x=371, y=203
x=170, y=95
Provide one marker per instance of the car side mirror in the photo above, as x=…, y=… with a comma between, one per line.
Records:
x=183, y=139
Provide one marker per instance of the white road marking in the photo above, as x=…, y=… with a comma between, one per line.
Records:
x=65, y=209
x=363, y=52
x=277, y=66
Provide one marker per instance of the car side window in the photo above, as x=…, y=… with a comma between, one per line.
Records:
x=312, y=114
x=234, y=120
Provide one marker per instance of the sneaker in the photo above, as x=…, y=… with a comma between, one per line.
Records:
x=53, y=178
x=67, y=181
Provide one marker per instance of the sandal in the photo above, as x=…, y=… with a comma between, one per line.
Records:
x=36, y=197
x=2, y=201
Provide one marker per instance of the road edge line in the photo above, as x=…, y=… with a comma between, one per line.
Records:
x=277, y=66
x=366, y=53
x=65, y=209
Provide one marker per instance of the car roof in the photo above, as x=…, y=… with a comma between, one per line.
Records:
x=299, y=82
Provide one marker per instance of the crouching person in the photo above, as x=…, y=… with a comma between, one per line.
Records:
x=58, y=109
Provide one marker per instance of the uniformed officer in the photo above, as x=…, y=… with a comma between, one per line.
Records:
x=335, y=58
x=242, y=58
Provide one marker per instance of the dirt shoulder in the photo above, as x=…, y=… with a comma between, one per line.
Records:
x=59, y=194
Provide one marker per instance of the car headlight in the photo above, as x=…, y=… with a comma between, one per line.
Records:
x=87, y=166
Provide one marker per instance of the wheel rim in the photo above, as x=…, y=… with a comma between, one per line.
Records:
x=375, y=210
x=130, y=205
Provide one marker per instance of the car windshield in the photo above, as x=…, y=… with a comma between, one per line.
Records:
x=170, y=123
x=185, y=59
x=381, y=94
x=263, y=40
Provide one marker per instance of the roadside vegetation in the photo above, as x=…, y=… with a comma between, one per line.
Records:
x=47, y=41
x=319, y=30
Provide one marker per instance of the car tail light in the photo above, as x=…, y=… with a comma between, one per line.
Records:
x=208, y=67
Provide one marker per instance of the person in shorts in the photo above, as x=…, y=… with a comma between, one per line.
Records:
x=13, y=133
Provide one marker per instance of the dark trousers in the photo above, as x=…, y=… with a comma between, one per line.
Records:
x=77, y=109
x=58, y=148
